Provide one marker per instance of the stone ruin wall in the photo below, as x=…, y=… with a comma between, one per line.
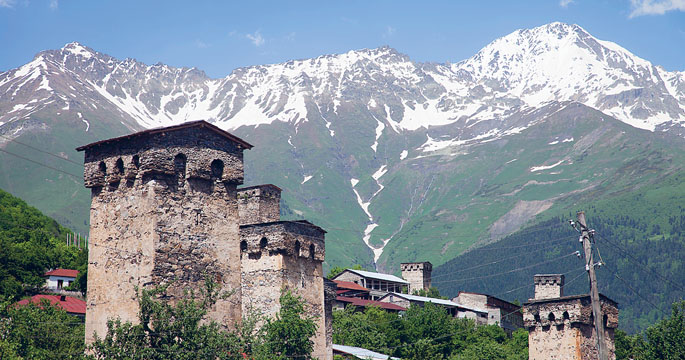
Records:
x=158, y=216
x=285, y=254
x=568, y=333
x=418, y=275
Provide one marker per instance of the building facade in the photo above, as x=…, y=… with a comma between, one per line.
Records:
x=166, y=209
x=506, y=315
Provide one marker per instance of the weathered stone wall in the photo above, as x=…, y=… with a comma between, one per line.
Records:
x=351, y=277
x=564, y=328
x=259, y=204
x=329, y=300
x=163, y=210
x=549, y=286
x=284, y=255
x=418, y=275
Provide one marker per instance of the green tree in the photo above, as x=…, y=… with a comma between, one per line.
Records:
x=288, y=336
x=666, y=339
x=168, y=331
x=39, y=331
x=432, y=292
x=374, y=329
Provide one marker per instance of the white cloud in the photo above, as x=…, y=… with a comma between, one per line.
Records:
x=655, y=7
x=7, y=3
x=291, y=36
x=565, y=3
x=54, y=4
x=201, y=44
x=256, y=38
x=389, y=31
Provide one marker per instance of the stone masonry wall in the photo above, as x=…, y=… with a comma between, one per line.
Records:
x=549, y=286
x=259, y=204
x=418, y=275
x=284, y=255
x=163, y=210
x=564, y=329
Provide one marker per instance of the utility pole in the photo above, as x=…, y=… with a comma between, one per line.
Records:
x=586, y=234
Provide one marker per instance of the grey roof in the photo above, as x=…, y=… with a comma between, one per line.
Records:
x=379, y=276
x=436, y=301
x=361, y=352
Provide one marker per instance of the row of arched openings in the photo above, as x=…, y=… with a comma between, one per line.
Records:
x=180, y=161
x=264, y=242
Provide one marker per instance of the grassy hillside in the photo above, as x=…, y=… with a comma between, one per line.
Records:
x=640, y=237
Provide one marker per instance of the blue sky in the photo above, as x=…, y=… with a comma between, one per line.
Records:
x=220, y=36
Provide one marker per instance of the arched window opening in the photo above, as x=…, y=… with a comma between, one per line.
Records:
x=136, y=161
x=102, y=167
x=312, y=250
x=566, y=316
x=119, y=166
x=217, y=168
x=551, y=317
x=537, y=317
x=180, y=165
x=263, y=243
x=605, y=319
x=297, y=248
x=243, y=246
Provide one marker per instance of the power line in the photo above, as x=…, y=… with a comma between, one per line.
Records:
x=77, y=177
x=39, y=150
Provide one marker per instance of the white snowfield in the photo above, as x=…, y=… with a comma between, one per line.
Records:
x=523, y=70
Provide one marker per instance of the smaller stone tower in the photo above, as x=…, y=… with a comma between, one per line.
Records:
x=549, y=286
x=562, y=327
x=418, y=274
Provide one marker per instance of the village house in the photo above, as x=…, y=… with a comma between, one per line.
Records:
x=60, y=278
x=71, y=305
x=562, y=327
x=378, y=284
x=500, y=312
x=480, y=316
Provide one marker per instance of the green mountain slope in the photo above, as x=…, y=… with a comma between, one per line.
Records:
x=640, y=237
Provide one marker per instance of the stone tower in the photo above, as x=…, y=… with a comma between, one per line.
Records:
x=278, y=254
x=548, y=286
x=418, y=274
x=562, y=328
x=163, y=210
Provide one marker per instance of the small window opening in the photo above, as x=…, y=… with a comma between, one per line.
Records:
x=243, y=246
x=566, y=316
x=217, y=168
x=312, y=250
x=263, y=243
x=136, y=161
x=537, y=317
x=119, y=166
x=551, y=317
x=180, y=165
x=297, y=248
x=103, y=167
x=605, y=320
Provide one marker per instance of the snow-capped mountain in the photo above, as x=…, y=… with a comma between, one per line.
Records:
x=360, y=140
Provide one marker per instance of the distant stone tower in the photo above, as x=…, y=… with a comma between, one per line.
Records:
x=562, y=327
x=549, y=286
x=418, y=274
x=163, y=209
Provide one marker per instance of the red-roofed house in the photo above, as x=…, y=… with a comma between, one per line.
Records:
x=342, y=301
x=71, y=305
x=350, y=289
x=60, y=278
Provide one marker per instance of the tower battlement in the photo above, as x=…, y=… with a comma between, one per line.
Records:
x=293, y=238
x=180, y=152
x=259, y=204
x=418, y=274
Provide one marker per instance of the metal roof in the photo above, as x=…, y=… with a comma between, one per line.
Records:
x=379, y=276
x=361, y=352
x=69, y=304
x=444, y=302
x=361, y=302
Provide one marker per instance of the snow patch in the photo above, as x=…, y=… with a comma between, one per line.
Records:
x=306, y=178
x=546, y=167
x=403, y=154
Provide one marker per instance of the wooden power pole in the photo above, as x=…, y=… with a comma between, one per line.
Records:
x=594, y=293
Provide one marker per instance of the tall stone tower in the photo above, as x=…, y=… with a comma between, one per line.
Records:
x=163, y=210
x=562, y=327
x=418, y=274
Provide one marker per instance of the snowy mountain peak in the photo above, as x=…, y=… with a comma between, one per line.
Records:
x=77, y=49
